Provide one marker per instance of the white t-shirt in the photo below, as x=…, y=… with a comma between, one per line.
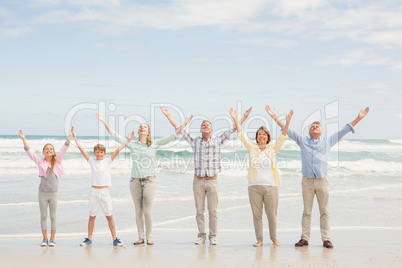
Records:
x=101, y=171
x=264, y=169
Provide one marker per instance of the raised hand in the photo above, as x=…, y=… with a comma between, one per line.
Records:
x=271, y=112
x=247, y=113
x=130, y=136
x=233, y=114
x=188, y=120
x=73, y=132
x=22, y=136
x=289, y=116
x=101, y=118
x=165, y=111
x=70, y=131
x=363, y=113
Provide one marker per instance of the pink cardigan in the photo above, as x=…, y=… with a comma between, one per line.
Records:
x=43, y=165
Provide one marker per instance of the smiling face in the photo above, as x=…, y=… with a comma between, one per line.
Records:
x=315, y=130
x=99, y=154
x=206, y=127
x=143, y=130
x=262, y=136
x=48, y=150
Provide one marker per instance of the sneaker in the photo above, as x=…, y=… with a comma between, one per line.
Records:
x=87, y=242
x=52, y=243
x=276, y=243
x=213, y=241
x=117, y=243
x=200, y=241
x=44, y=243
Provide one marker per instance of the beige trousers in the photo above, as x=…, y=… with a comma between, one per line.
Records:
x=206, y=189
x=320, y=188
x=267, y=196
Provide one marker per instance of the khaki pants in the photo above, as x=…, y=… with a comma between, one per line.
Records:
x=206, y=189
x=267, y=196
x=143, y=193
x=320, y=188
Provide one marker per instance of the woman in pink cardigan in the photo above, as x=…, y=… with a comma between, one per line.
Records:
x=50, y=169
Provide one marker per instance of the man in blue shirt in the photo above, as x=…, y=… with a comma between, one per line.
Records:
x=314, y=156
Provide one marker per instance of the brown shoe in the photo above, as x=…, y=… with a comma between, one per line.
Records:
x=301, y=243
x=328, y=244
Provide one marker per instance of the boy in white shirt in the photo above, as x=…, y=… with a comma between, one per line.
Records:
x=101, y=180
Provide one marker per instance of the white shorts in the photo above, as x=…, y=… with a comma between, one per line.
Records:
x=100, y=197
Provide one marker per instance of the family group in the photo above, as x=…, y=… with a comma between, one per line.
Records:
x=262, y=175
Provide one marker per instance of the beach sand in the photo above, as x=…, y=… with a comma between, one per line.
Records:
x=352, y=248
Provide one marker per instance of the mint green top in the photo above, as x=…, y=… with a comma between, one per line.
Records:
x=142, y=156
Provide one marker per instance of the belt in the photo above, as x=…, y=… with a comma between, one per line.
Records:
x=205, y=178
x=141, y=179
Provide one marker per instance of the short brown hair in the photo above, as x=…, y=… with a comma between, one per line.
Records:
x=266, y=131
x=100, y=147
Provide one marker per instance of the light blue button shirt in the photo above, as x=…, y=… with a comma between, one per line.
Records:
x=315, y=153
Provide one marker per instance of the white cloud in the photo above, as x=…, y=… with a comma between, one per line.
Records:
x=268, y=42
x=399, y=117
x=13, y=32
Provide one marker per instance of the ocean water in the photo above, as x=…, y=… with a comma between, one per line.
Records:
x=365, y=178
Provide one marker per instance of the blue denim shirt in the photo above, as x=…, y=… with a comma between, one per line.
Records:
x=315, y=153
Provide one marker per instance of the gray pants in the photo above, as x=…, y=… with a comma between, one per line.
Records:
x=320, y=188
x=143, y=193
x=48, y=199
x=264, y=196
x=209, y=189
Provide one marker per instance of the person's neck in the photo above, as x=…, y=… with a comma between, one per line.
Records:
x=314, y=137
x=262, y=147
x=143, y=138
x=48, y=159
x=206, y=136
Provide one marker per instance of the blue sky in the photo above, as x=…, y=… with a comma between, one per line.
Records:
x=202, y=57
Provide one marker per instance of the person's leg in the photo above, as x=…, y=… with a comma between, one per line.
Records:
x=91, y=225
x=43, y=203
x=199, y=199
x=308, y=198
x=255, y=198
x=212, y=199
x=322, y=192
x=271, y=209
x=52, y=212
x=93, y=204
x=148, y=198
x=112, y=226
x=137, y=195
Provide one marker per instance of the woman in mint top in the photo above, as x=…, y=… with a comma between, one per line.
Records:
x=142, y=182
x=263, y=176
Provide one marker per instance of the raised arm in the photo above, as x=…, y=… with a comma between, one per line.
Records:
x=115, y=153
x=186, y=121
x=171, y=120
x=272, y=113
x=84, y=153
x=237, y=125
x=246, y=114
x=22, y=136
x=288, y=117
x=360, y=116
x=103, y=120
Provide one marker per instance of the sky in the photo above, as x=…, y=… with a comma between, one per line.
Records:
x=61, y=62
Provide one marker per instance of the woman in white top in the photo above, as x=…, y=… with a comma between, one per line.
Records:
x=263, y=176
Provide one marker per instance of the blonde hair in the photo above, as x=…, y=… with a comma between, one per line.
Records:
x=316, y=123
x=266, y=131
x=149, y=137
x=53, y=160
x=100, y=147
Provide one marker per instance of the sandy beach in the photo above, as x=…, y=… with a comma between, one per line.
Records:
x=352, y=248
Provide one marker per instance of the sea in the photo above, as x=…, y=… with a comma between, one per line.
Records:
x=365, y=178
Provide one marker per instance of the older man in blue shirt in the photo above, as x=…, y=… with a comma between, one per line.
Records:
x=314, y=155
